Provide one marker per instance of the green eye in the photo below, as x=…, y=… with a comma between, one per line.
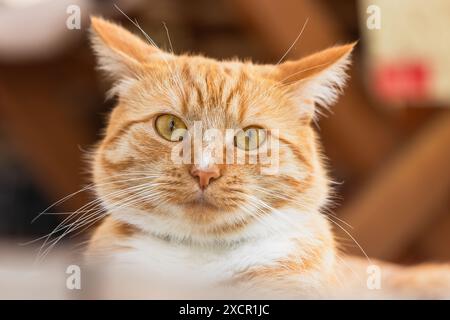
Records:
x=250, y=138
x=170, y=127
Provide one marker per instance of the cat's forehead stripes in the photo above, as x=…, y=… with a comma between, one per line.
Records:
x=213, y=92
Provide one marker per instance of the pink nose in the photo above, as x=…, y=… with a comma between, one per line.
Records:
x=205, y=176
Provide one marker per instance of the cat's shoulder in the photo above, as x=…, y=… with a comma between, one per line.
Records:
x=109, y=234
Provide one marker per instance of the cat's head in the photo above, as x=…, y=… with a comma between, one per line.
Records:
x=163, y=98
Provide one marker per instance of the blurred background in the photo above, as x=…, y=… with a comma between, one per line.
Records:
x=387, y=140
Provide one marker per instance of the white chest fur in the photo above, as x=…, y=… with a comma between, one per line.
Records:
x=172, y=263
x=202, y=264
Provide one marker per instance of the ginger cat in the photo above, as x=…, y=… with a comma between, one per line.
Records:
x=216, y=224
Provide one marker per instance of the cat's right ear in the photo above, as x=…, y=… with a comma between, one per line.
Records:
x=120, y=53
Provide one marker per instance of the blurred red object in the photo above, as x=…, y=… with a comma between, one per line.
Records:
x=403, y=81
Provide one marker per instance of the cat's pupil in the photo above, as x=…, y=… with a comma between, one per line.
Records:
x=250, y=136
x=171, y=124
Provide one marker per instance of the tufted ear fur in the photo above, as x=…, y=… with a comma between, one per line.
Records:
x=318, y=78
x=120, y=53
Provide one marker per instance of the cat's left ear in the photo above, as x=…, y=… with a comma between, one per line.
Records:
x=316, y=79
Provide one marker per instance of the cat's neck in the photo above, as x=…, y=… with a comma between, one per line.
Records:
x=289, y=223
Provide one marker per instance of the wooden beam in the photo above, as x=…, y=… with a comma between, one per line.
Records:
x=405, y=196
x=434, y=243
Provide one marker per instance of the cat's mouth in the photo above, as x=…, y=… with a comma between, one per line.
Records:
x=201, y=206
x=202, y=200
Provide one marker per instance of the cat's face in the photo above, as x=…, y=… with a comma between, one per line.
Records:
x=164, y=98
